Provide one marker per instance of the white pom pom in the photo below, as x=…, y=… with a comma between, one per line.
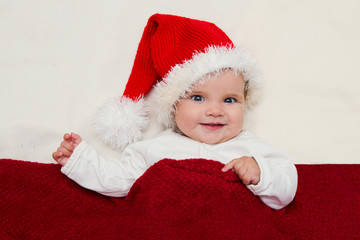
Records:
x=120, y=122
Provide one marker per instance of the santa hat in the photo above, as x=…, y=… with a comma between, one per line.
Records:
x=173, y=54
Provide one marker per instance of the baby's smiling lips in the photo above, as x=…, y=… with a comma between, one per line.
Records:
x=212, y=126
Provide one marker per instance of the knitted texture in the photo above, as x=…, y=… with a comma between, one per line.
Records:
x=167, y=41
x=189, y=199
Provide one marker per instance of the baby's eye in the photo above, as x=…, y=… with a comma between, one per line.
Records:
x=230, y=100
x=197, y=98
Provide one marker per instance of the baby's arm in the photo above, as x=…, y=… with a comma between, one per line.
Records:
x=246, y=168
x=105, y=175
x=271, y=176
x=67, y=146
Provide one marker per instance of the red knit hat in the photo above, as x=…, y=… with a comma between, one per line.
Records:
x=173, y=54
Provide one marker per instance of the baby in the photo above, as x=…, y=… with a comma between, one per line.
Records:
x=202, y=100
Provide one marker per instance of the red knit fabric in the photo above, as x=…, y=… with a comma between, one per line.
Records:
x=168, y=40
x=189, y=199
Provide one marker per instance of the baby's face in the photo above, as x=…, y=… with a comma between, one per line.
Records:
x=214, y=111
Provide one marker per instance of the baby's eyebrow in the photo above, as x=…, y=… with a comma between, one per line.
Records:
x=194, y=92
x=235, y=95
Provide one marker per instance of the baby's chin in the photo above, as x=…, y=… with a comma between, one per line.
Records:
x=211, y=138
x=216, y=140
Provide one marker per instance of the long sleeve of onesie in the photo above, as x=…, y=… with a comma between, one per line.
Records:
x=107, y=176
x=278, y=179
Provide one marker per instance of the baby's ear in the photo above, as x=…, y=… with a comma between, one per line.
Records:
x=246, y=89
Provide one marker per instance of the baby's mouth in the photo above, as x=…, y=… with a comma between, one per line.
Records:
x=212, y=125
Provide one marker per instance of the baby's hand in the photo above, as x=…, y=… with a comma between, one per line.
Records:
x=63, y=153
x=246, y=168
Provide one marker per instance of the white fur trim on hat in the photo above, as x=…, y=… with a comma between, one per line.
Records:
x=182, y=78
x=120, y=121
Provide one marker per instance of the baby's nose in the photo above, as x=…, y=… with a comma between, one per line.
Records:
x=214, y=110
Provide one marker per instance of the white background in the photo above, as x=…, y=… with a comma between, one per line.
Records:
x=61, y=60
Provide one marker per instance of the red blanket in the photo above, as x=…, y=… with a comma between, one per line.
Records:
x=189, y=199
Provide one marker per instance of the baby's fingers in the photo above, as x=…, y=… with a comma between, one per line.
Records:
x=228, y=166
x=67, y=137
x=75, y=138
x=57, y=155
x=60, y=157
x=67, y=145
x=65, y=152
